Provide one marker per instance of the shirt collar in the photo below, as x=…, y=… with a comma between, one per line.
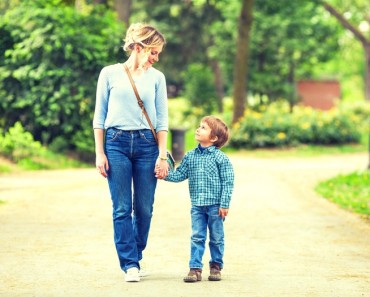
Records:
x=209, y=149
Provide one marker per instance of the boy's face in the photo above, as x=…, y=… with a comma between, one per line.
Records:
x=203, y=135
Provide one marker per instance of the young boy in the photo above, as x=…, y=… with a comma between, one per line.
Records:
x=211, y=182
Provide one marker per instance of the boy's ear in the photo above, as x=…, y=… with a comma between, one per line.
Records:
x=214, y=139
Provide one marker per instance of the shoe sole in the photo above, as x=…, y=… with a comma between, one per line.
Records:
x=191, y=280
x=132, y=280
x=132, y=275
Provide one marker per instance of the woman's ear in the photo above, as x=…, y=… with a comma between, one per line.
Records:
x=138, y=48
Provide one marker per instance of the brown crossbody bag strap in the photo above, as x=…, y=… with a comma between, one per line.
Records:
x=140, y=102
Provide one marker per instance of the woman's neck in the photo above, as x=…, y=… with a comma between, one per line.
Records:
x=134, y=67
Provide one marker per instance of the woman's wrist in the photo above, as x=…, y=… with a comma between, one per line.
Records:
x=163, y=158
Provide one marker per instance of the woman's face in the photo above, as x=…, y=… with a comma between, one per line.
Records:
x=148, y=56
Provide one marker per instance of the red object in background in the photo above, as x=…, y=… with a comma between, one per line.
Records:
x=318, y=94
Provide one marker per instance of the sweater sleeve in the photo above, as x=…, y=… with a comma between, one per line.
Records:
x=161, y=104
x=102, y=97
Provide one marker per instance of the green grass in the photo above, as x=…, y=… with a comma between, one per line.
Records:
x=351, y=191
x=45, y=160
x=4, y=168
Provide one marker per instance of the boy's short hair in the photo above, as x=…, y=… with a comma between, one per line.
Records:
x=219, y=129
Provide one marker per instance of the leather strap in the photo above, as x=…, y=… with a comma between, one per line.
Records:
x=140, y=102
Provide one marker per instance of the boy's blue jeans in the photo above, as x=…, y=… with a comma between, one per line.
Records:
x=201, y=218
x=132, y=182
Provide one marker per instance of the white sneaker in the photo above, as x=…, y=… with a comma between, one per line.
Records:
x=132, y=275
x=143, y=271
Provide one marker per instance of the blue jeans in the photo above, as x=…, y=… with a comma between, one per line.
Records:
x=201, y=218
x=132, y=182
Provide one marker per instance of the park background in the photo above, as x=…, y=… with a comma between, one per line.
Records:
x=240, y=60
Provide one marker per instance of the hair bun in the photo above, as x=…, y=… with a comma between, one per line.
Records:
x=146, y=35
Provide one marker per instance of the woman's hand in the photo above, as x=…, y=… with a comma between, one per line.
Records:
x=102, y=164
x=161, y=168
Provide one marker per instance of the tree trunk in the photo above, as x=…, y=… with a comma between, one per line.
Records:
x=105, y=2
x=367, y=69
x=123, y=8
x=241, y=59
x=358, y=35
x=292, y=93
x=218, y=84
x=79, y=5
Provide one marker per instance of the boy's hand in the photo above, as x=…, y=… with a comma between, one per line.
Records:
x=222, y=212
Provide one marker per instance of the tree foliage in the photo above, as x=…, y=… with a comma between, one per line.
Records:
x=288, y=46
x=356, y=19
x=50, y=62
x=199, y=88
x=51, y=52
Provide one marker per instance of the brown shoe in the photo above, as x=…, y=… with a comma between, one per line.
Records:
x=215, y=272
x=194, y=275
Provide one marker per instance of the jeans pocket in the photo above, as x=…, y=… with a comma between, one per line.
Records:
x=112, y=134
x=148, y=136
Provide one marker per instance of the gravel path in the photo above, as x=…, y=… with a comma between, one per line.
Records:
x=281, y=238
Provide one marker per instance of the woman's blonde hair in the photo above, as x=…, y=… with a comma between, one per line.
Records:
x=143, y=34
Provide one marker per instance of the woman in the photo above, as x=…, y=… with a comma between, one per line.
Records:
x=129, y=153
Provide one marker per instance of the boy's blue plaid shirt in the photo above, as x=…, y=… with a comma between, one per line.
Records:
x=210, y=174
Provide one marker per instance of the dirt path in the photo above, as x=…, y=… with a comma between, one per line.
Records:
x=281, y=238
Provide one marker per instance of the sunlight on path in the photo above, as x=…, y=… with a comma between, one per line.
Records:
x=281, y=238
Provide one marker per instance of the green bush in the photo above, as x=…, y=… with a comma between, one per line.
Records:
x=275, y=126
x=19, y=144
x=50, y=60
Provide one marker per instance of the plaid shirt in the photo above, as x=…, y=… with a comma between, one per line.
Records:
x=210, y=174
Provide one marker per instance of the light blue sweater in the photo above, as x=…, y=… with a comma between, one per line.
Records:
x=116, y=103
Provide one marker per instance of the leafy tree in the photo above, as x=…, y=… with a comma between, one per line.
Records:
x=199, y=87
x=49, y=67
x=297, y=37
x=183, y=25
x=191, y=33
x=7, y=4
x=356, y=16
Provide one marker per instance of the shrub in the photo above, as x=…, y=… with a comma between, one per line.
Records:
x=275, y=126
x=19, y=144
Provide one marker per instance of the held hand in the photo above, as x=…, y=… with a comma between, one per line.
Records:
x=102, y=164
x=157, y=173
x=222, y=212
x=161, y=169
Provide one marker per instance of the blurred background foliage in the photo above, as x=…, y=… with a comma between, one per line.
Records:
x=51, y=53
